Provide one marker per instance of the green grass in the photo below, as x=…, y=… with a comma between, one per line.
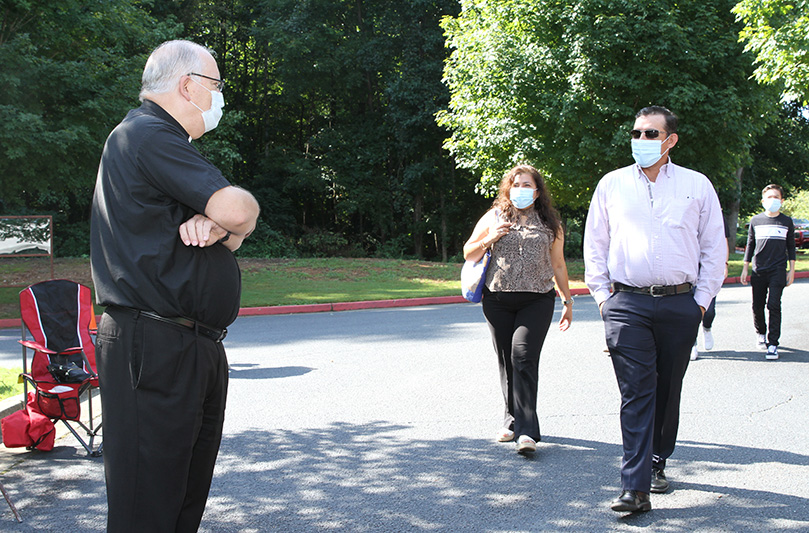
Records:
x=9, y=385
x=308, y=281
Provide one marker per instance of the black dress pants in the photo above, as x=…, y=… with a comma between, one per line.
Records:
x=710, y=315
x=650, y=342
x=163, y=393
x=768, y=286
x=519, y=322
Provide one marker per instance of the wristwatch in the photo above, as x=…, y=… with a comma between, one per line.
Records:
x=567, y=302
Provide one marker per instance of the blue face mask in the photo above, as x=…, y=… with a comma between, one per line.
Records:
x=521, y=197
x=646, y=152
x=771, y=204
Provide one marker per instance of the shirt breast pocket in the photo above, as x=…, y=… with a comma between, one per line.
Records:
x=681, y=214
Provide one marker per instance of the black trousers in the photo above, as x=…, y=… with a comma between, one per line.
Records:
x=650, y=341
x=710, y=314
x=163, y=393
x=519, y=322
x=768, y=286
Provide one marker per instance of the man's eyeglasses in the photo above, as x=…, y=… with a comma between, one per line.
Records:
x=650, y=134
x=220, y=84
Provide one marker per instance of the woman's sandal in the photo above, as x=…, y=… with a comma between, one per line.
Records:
x=526, y=444
x=505, y=435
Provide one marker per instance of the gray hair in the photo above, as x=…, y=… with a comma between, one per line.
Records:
x=168, y=62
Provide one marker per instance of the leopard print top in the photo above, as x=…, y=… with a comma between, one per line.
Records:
x=521, y=259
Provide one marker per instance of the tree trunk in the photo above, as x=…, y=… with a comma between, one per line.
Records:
x=731, y=213
x=443, y=229
x=418, y=207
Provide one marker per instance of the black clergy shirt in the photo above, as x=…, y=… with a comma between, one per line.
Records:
x=151, y=180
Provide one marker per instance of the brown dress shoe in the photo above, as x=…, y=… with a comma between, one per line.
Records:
x=631, y=501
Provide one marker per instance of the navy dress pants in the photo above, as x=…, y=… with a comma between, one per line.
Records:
x=650, y=342
x=163, y=392
x=519, y=322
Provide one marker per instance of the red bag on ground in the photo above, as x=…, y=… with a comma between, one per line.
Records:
x=42, y=431
x=15, y=430
x=27, y=428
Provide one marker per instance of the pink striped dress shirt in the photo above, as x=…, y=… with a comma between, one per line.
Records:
x=663, y=233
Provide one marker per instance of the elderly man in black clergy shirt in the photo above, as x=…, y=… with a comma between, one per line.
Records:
x=165, y=223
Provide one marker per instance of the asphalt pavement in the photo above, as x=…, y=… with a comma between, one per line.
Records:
x=384, y=420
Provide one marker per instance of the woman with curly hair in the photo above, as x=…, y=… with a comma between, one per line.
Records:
x=524, y=234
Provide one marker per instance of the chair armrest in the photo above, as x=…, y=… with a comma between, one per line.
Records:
x=36, y=346
x=40, y=348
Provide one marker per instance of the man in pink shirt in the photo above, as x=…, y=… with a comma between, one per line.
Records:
x=654, y=252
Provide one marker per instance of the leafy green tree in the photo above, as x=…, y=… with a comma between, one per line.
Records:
x=557, y=84
x=797, y=206
x=329, y=115
x=71, y=70
x=336, y=134
x=780, y=156
x=777, y=31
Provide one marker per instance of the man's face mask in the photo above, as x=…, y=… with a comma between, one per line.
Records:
x=771, y=204
x=646, y=152
x=212, y=116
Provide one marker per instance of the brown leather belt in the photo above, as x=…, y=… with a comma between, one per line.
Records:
x=654, y=290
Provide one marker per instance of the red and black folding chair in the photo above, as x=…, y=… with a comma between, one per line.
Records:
x=59, y=314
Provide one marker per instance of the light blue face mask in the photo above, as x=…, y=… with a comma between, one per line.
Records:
x=771, y=204
x=521, y=197
x=646, y=152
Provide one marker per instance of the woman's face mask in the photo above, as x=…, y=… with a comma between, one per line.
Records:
x=521, y=197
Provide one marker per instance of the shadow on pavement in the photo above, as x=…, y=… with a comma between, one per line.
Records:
x=367, y=477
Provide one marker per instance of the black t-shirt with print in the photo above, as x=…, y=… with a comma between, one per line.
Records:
x=770, y=242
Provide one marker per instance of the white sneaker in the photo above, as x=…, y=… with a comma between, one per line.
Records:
x=526, y=444
x=772, y=352
x=707, y=339
x=694, y=353
x=761, y=341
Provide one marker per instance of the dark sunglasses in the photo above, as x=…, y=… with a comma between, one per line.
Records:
x=650, y=134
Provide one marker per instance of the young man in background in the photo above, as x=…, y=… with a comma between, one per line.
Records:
x=770, y=244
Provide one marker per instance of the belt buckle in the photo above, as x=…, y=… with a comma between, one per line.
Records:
x=657, y=290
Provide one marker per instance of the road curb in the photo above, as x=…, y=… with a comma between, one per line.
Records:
x=7, y=323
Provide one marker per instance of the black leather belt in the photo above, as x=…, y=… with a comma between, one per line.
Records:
x=654, y=290
x=215, y=334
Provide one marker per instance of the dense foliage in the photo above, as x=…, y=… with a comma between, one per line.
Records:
x=558, y=84
x=331, y=106
x=329, y=115
x=780, y=156
x=778, y=32
x=70, y=70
